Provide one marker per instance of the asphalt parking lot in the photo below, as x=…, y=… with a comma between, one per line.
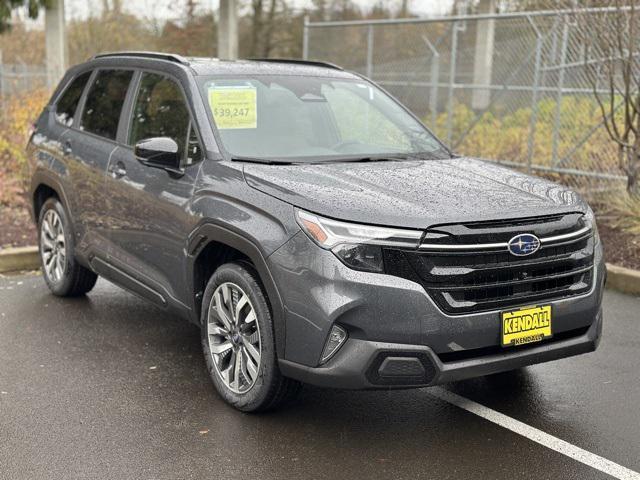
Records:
x=108, y=386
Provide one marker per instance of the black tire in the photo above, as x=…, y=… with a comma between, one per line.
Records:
x=271, y=389
x=75, y=280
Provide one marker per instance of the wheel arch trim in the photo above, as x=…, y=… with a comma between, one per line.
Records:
x=40, y=178
x=207, y=233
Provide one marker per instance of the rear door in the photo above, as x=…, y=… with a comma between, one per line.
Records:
x=90, y=146
x=149, y=208
x=49, y=153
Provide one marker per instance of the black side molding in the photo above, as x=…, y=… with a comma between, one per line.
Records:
x=121, y=278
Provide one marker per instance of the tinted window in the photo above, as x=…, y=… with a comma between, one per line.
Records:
x=161, y=111
x=66, y=107
x=104, y=102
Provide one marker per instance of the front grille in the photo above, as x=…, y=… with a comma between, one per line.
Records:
x=462, y=276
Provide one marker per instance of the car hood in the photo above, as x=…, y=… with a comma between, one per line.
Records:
x=413, y=194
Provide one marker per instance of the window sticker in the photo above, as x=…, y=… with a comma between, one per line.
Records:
x=234, y=106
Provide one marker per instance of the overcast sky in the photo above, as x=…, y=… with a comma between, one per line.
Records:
x=170, y=9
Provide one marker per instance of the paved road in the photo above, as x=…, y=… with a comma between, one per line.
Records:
x=108, y=386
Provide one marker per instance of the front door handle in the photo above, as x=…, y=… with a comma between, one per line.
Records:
x=118, y=170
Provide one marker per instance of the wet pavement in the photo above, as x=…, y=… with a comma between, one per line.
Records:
x=108, y=386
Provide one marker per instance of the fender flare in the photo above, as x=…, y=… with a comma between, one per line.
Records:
x=206, y=233
x=42, y=177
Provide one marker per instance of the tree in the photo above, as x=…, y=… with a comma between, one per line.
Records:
x=610, y=39
x=263, y=22
x=12, y=44
x=111, y=31
x=7, y=6
x=196, y=36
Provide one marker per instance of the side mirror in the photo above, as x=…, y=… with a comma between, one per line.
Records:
x=158, y=152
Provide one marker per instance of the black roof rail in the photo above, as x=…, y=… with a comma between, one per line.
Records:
x=298, y=61
x=157, y=55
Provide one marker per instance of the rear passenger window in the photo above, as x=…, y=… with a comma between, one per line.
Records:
x=104, y=102
x=66, y=106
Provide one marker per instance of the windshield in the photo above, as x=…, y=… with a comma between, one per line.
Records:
x=284, y=117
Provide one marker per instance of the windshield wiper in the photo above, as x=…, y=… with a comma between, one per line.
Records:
x=264, y=161
x=370, y=158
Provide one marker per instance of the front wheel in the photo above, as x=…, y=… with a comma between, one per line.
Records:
x=238, y=341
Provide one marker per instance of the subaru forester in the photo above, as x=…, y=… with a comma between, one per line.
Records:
x=310, y=225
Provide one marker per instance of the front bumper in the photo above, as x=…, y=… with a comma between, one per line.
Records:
x=357, y=365
x=388, y=316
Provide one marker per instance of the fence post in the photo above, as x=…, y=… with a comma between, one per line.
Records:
x=369, y=51
x=534, y=96
x=452, y=80
x=305, y=38
x=435, y=77
x=433, y=97
x=483, y=57
x=2, y=87
x=55, y=41
x=23, y=82
x=558, y=113
x=553, y=51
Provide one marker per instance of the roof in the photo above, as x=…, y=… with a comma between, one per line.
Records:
x=214, y=66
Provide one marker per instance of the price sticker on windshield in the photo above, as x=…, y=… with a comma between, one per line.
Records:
x=234, y=107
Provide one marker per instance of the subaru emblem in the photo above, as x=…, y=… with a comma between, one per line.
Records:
x=523, y=244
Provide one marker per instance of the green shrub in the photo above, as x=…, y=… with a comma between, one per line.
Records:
x=625, y=210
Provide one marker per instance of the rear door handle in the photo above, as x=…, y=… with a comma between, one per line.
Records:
x=118, y=170
x=66, y=148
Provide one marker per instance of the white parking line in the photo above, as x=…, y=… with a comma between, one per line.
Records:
x=538, y=436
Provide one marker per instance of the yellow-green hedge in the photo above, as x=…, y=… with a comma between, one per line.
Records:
x=18, y=114
x=505, y=135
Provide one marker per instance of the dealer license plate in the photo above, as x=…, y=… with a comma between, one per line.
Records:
x=526, y=325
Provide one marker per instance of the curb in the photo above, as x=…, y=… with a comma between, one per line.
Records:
x=621, y=279
x=21, y=258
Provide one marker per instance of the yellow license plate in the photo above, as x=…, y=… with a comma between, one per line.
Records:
x=526, y=325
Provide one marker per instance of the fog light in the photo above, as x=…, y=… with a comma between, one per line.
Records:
x=336, y=338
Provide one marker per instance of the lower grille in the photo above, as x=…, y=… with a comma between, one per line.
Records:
x=477, y=353
x=476, y=279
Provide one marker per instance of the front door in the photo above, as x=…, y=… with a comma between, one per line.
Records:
x=150, y=208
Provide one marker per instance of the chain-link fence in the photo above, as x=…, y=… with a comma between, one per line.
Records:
x=512, y=88
x=19, y=78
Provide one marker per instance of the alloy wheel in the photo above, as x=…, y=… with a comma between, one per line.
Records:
x=234, y=337
x=53, y=246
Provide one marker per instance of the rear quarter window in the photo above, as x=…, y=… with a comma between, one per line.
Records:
x=68, y=102
x=104, y=102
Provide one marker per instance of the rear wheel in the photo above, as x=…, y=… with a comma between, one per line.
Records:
x=238, y=341
x=62, y=273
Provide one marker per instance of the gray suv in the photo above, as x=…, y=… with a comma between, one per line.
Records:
x=308, y=224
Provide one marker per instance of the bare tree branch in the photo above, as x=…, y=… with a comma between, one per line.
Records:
x=611, y=53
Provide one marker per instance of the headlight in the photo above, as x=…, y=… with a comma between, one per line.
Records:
x=357, y=246
x=360, y=256
x=591, y=219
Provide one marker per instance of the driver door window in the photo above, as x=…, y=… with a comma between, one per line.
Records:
x=160, y=110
